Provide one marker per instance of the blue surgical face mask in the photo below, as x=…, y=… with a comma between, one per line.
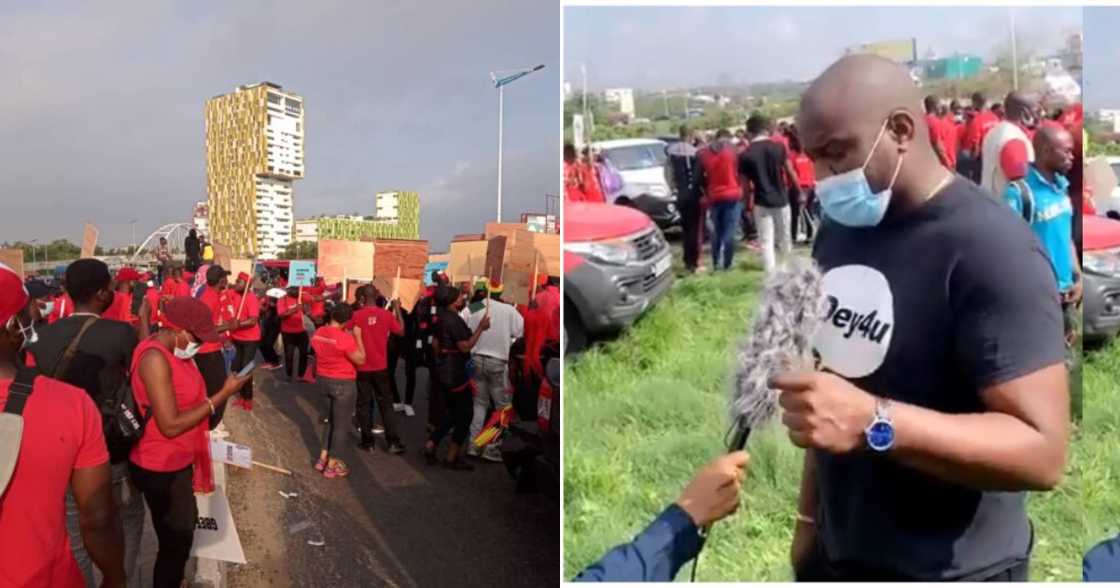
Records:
x=848, y=199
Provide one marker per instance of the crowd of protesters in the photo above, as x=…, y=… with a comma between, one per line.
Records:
x=168, y=348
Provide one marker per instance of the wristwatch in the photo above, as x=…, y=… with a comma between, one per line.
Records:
x=880, y=433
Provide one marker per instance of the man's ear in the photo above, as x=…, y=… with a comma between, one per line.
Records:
x=902, y=126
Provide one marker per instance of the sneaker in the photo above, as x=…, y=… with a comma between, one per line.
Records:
x=396, y=448
x=272, y=366
x=398, y=407
x=338, y=470
x=492, y=454
x=321, y=464
x=408, y=410
x=472, y=451
x=378, y=430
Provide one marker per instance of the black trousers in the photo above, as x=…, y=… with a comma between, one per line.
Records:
x=374, y=388
x=404, y=349
x=170, y=499
x=246, y=352
x=213, y=368
x=692, y=231
x=818, y=569
x=457, y=418
x=292, y=343
x=270, y=331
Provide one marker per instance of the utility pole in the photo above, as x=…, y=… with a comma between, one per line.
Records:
x=1014, y=53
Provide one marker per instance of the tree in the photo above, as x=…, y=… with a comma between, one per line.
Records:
x=300, y=250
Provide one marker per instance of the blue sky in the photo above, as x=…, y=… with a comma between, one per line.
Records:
x=654, y=48
x=1102, y=57
x=102, y=109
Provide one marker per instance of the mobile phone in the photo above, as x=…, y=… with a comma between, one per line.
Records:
x=248, y=368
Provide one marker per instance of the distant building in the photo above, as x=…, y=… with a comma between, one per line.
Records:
x=1110, y=116
x=201, y=217
x=541, y=223
x=254, y=151
x=623, y=97
x=901, y=51
x=400, y=208
x=307, y=231
x=957, y=67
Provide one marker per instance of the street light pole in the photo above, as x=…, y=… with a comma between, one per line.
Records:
x=33, y=248
x=507, y=77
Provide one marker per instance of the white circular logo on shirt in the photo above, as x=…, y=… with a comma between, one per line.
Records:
x=855, y=333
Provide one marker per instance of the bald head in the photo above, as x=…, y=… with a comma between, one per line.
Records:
x=1053, y=149
x=865, y=108
x=1020, y=107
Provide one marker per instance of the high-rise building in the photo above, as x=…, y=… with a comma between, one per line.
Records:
x=254, y=150
x=402, y=208
x=201, y=217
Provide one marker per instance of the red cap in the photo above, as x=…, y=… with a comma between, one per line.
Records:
x=127, y=274
x=243, y=277
x=192, y=315
x=13, y=294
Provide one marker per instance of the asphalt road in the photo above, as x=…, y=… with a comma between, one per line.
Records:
x=395, y=521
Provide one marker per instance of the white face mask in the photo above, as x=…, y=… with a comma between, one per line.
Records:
x=189, y=352
x=47, y=308
x=27, y=332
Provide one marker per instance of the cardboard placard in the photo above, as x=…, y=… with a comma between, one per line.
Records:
x=13, y=258
x=339, y=260
x=89, y=240
x=215, y=535
x=223, y=255
x=515, y=288
x=410, y=256
x=301, y=273
x=408, y=290
x=231, y=453
x=439, y=257
x=540, y=249
x=1102, y=180
x=237, y=266
x=468, y=259
x=495, y=258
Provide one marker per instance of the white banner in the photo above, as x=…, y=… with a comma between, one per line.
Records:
x=215, y=536
x=231, y=453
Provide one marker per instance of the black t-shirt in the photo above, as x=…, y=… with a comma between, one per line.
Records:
x=451, y=365
x=102, y=360
x=930, y=309
x=764, y=163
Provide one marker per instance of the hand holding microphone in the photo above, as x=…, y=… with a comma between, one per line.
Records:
x=823, y=411
x=714, y=492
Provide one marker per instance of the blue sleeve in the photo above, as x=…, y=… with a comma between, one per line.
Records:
x=655, y=555
x=1012, y=197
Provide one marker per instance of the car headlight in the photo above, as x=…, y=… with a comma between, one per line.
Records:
x=1105, y=262
x=611, y=252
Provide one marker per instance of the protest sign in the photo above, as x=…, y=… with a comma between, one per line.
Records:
x=89, y=240
x=301, y=273
x=215, y=536
x=231, y=453
x=340, y=260
x=13, y=258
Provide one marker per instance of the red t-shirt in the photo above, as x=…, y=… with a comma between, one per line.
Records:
x=573, y=187
x=376, y=324
x=63, y=307
x=154, y=451
x=294, y=323
x=155, y=315
x=591, y=187
x=61, y=433
x=120, y=309
x=252, y=310
x=174, y=287
x=977, y=128
x=950, y=141
x=214, y=300
x=806, y=174
x=318, y=307
x=722, y=175
x=331, y=344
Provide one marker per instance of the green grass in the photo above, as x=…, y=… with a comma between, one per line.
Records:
x=644, y=411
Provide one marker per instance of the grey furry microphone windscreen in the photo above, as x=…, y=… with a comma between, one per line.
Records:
x=779, y=340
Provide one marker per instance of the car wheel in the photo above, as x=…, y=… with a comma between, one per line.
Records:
x=575, y=335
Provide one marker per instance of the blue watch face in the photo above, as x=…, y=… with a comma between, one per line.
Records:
x=880, y=435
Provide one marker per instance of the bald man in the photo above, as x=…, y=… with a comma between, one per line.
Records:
x=1007, y=151
x=1042, y=199
x=942, y=391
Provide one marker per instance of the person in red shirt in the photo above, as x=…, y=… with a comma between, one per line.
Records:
x=589, y=175
x=151, y=313
x=171, y=461
x=982, y=121
x=316, y=296
x=175, y=284
x=951, y=141
x=210, y=359
x=338, y=353
x=294, y=335
x=573, y=182
x=63, y=307
x=718, y=181
x=245, y=332
x=807, y=182
x=937, y=135
x=374, y=379
x=121, y=309
x=61, y=448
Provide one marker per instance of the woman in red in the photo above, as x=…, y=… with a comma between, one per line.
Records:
x=807, y=181
x=172, y=460
x=338, y=353
x=290, y=311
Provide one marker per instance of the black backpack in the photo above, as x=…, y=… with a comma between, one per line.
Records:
x=123, y=424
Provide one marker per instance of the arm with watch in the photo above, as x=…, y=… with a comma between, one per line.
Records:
x=1018, y=443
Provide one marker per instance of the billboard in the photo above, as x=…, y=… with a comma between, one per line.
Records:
x=899, y=51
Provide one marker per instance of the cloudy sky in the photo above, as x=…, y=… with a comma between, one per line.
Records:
x=654, y=48
x=102, y=118
x=1102, y=57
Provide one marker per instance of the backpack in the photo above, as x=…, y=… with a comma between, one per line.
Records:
x=122, y=423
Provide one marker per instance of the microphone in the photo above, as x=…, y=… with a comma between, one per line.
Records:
x=791, y=306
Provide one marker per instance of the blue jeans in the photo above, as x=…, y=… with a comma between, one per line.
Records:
x=725, y=216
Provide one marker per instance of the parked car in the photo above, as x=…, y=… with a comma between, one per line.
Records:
x=641, y=163
x=616, y=266
x=1101, y=275
x=1110, y=205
